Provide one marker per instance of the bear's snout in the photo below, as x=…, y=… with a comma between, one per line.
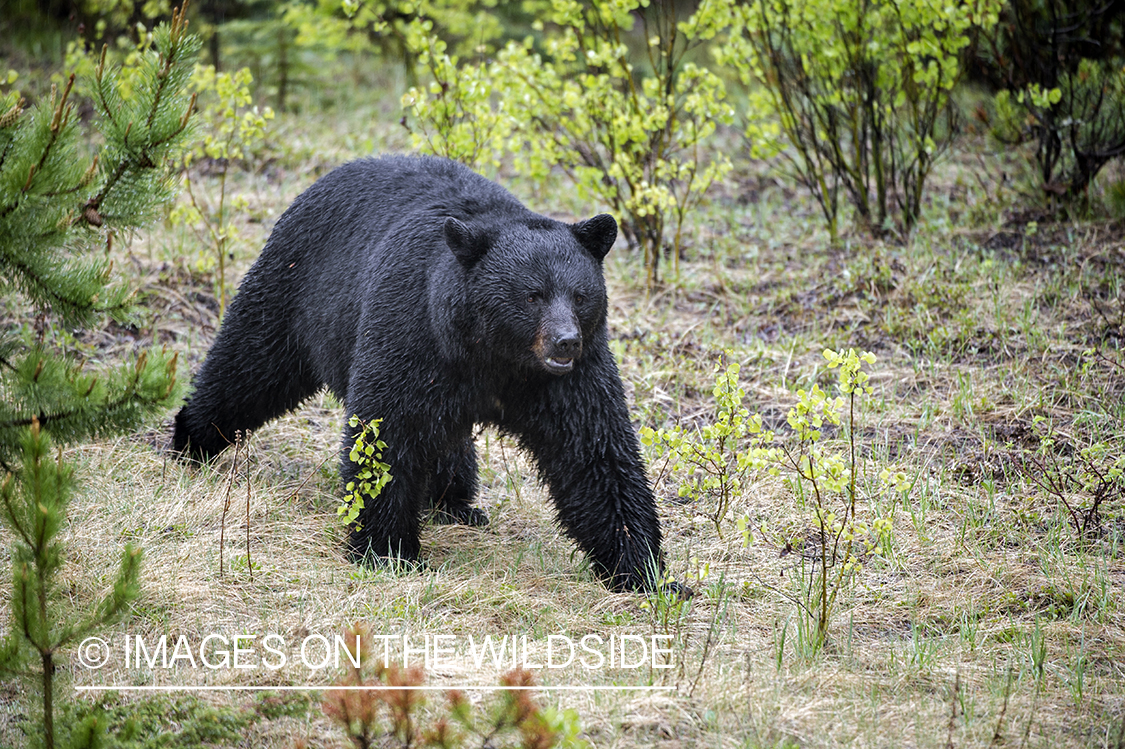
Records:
x=557, y=352
x=568, y=346
x=559, y=342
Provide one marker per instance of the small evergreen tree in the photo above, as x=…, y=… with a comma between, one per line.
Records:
x=56, y=206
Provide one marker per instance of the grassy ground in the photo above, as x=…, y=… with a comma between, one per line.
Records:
x=987, y=621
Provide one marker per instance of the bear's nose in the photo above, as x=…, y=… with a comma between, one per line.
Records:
x=568, y=346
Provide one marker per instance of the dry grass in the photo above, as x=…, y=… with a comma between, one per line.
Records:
x=977, y=330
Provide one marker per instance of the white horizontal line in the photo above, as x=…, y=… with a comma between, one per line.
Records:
x=291, y=688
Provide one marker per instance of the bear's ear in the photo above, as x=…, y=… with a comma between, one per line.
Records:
x=467, y=246
x=596, y=234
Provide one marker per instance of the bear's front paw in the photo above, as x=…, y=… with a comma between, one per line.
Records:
x=394, y=565
x=363, y=551
x=678, y=590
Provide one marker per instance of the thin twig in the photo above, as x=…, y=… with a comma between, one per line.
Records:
x=226, y=503
x=315, y=471
x=249, y=564
x=953, y=712
x=998, y=732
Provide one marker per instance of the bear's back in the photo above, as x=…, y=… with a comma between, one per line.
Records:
x=369, y=232
x=400, y=188
x=372, y=211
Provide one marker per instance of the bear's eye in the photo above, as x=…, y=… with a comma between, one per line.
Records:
x=580, y=298
x=532, y=298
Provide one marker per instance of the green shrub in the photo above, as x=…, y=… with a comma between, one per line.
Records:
x=387, y=25
x=232, y=129
x=1088, y=481
x=373, y=474
x=1060, y=65
x=629, y=134
x=826, y=480
x=457, y=115
x=1078, y=126
x=713, y=462
x=860, y=90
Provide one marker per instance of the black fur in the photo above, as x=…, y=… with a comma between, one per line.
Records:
x=425, y=295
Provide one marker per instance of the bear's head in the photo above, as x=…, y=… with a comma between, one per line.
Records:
x=536, y=287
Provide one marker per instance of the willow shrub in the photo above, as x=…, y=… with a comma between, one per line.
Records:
x=714, y=465
x=860, y=90
x=1060, y=68
x=627, y=124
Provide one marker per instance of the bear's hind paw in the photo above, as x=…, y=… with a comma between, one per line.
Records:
x=473, y=517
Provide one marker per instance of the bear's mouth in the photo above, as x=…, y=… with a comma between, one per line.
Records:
x=558, y=364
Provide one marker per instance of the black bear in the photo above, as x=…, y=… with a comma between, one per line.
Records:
x=426, y=295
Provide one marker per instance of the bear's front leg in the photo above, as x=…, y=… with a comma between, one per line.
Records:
x=388, y=525
x=578, y=431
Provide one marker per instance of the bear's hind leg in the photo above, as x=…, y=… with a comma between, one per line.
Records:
x=454, y=487
x=251, y=375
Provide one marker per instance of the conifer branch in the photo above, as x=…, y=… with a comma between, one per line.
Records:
x=47, y=288
x=8, y=119
x=130, y=396
x=99, y=80
x=60, y=120
x=7, y=496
